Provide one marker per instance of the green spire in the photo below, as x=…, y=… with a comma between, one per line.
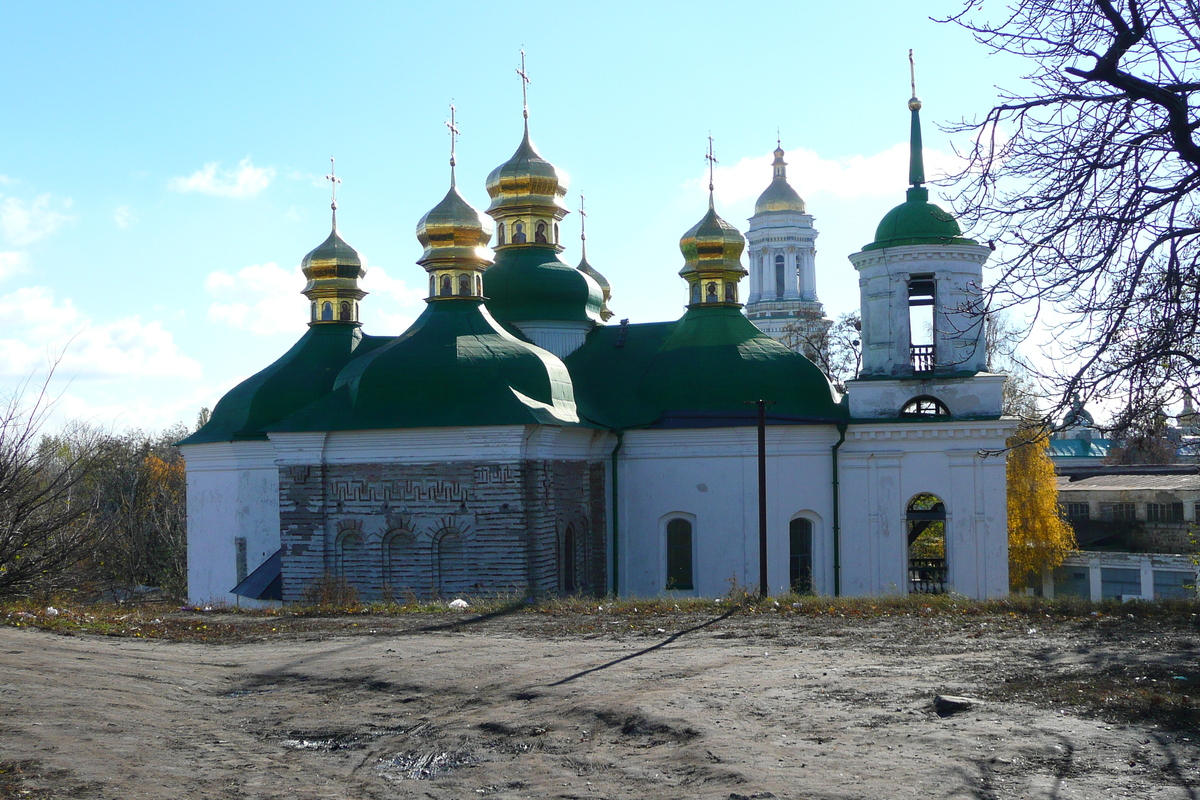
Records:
x=916, y=159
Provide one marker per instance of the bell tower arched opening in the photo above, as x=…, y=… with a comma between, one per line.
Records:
x=925, y=524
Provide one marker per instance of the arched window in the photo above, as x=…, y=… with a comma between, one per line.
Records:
x=518, y=233
x=679, y=554
x=730, y=293
x=450, y=560
x=695, y=293
x=352, y=561
x=400, y=564
x=539, y=233
x=314, y=312
x=500, y=233
x=556, y=233
x=345, y=311
x=464, y=285
x=432, y=285
x=710, y=293
x=800, y=560
x=327, y=311
x=780, y=277
x=479, y=286
x=447, y=286
x=924, y=406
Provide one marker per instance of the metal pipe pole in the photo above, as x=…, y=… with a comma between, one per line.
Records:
x=762, y=498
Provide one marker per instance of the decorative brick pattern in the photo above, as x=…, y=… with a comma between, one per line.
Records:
x=442, y=529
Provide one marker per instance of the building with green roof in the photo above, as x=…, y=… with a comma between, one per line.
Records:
x=512, y=441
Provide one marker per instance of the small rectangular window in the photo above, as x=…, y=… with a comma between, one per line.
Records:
x=1078, y=512
x=1117, y=583
x=239, y=555
x=1118, y=512
x=1164, y=512
x=1169, y=585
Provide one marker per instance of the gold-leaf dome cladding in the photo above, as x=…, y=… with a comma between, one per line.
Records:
x=527, y=180
x=712, y=245
x=779, y=196
x=454, y=230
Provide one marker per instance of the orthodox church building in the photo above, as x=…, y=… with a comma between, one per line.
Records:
x=512, y=442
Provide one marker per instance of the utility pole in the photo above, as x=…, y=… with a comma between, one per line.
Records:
x=762, y=494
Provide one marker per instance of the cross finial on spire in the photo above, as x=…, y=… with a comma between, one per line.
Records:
x=778, y=137
x=582, y=228
x=334, y=180
x=712, y=161
x=524, y=86
x=453, y=133
x=912, y=72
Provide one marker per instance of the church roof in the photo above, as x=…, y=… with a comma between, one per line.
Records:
x=304, y=374
x=455, y=367
x=532, y=283
x=700, y=370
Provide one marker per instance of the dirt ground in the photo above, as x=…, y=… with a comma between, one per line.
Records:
x=518, y=706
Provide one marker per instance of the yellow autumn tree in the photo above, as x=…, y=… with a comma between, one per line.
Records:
x=1038, y=536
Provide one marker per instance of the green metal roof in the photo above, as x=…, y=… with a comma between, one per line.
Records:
x=455, y=367
x=1079, y=448
x=531, y=283
x=698, y=371
x=302, y=375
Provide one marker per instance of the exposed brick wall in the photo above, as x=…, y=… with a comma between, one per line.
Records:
x=441, y=529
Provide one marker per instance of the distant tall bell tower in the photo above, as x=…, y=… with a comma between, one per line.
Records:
x=783, y=278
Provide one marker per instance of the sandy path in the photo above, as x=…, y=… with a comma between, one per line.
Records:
x=729, y=709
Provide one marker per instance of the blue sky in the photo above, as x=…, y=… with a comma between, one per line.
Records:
x=161, y=169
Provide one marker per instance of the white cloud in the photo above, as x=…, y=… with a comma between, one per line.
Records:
x=881, y=174
x=24, y=223
x=35, y=329
x=124, y=217
x=384, y=287
x=245, y=181
x=12, y=262
x=264, y=299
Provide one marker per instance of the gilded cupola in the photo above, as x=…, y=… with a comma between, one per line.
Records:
x=527, y=194
x=455, y=237
x=779, y=196
x=333, y=271
x=712, y=256
x=588, y=269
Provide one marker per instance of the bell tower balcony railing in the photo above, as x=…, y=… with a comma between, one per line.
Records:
x=922, y=358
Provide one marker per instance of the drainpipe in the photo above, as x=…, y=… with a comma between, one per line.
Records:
x=616, y=570
x=837, y=515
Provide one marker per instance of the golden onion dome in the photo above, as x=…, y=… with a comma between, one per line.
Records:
x=526, y=180
x=712, y=244
x=779, y=196
x=329, y=255
x=454, y=230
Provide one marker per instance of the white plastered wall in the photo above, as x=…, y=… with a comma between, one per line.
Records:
x=232, y=492
x=884, y=466
x=710, y=476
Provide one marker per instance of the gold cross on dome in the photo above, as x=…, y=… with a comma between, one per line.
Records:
x=912, y=72
x=582, y=218
x=712, y=161
x=524, y=85
x=334, y=180
x=453, y=133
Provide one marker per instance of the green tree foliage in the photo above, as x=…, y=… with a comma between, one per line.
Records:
x=1038, y=536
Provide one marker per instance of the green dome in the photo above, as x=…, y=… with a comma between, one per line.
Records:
x=531, y=283
x=917, y=221
x=302, y=375
x=698, y=371
x=454, y=367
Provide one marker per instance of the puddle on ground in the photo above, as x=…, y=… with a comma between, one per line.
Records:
x=420, y=765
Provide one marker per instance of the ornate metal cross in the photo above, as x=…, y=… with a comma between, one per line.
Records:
x=524, y=85
x=453, y=133
x=334, y=180
x=712, y=161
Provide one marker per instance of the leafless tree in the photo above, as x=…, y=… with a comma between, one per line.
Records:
x=45, y=501
x=1087, y=179
x=837, y=350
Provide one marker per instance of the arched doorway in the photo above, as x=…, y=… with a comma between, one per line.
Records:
x=926, y=526
x=800, y=556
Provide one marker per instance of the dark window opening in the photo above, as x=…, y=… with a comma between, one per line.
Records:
x=1118, y=512
x=239, y=558
x=1164, y=512
x=679, y=554
x=500, y=233
x=780, y=277
x=1078, y=512
x=568, y=559
x=924, y=406
x=800, y=560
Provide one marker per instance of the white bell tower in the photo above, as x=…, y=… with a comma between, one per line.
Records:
x=783, y=277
